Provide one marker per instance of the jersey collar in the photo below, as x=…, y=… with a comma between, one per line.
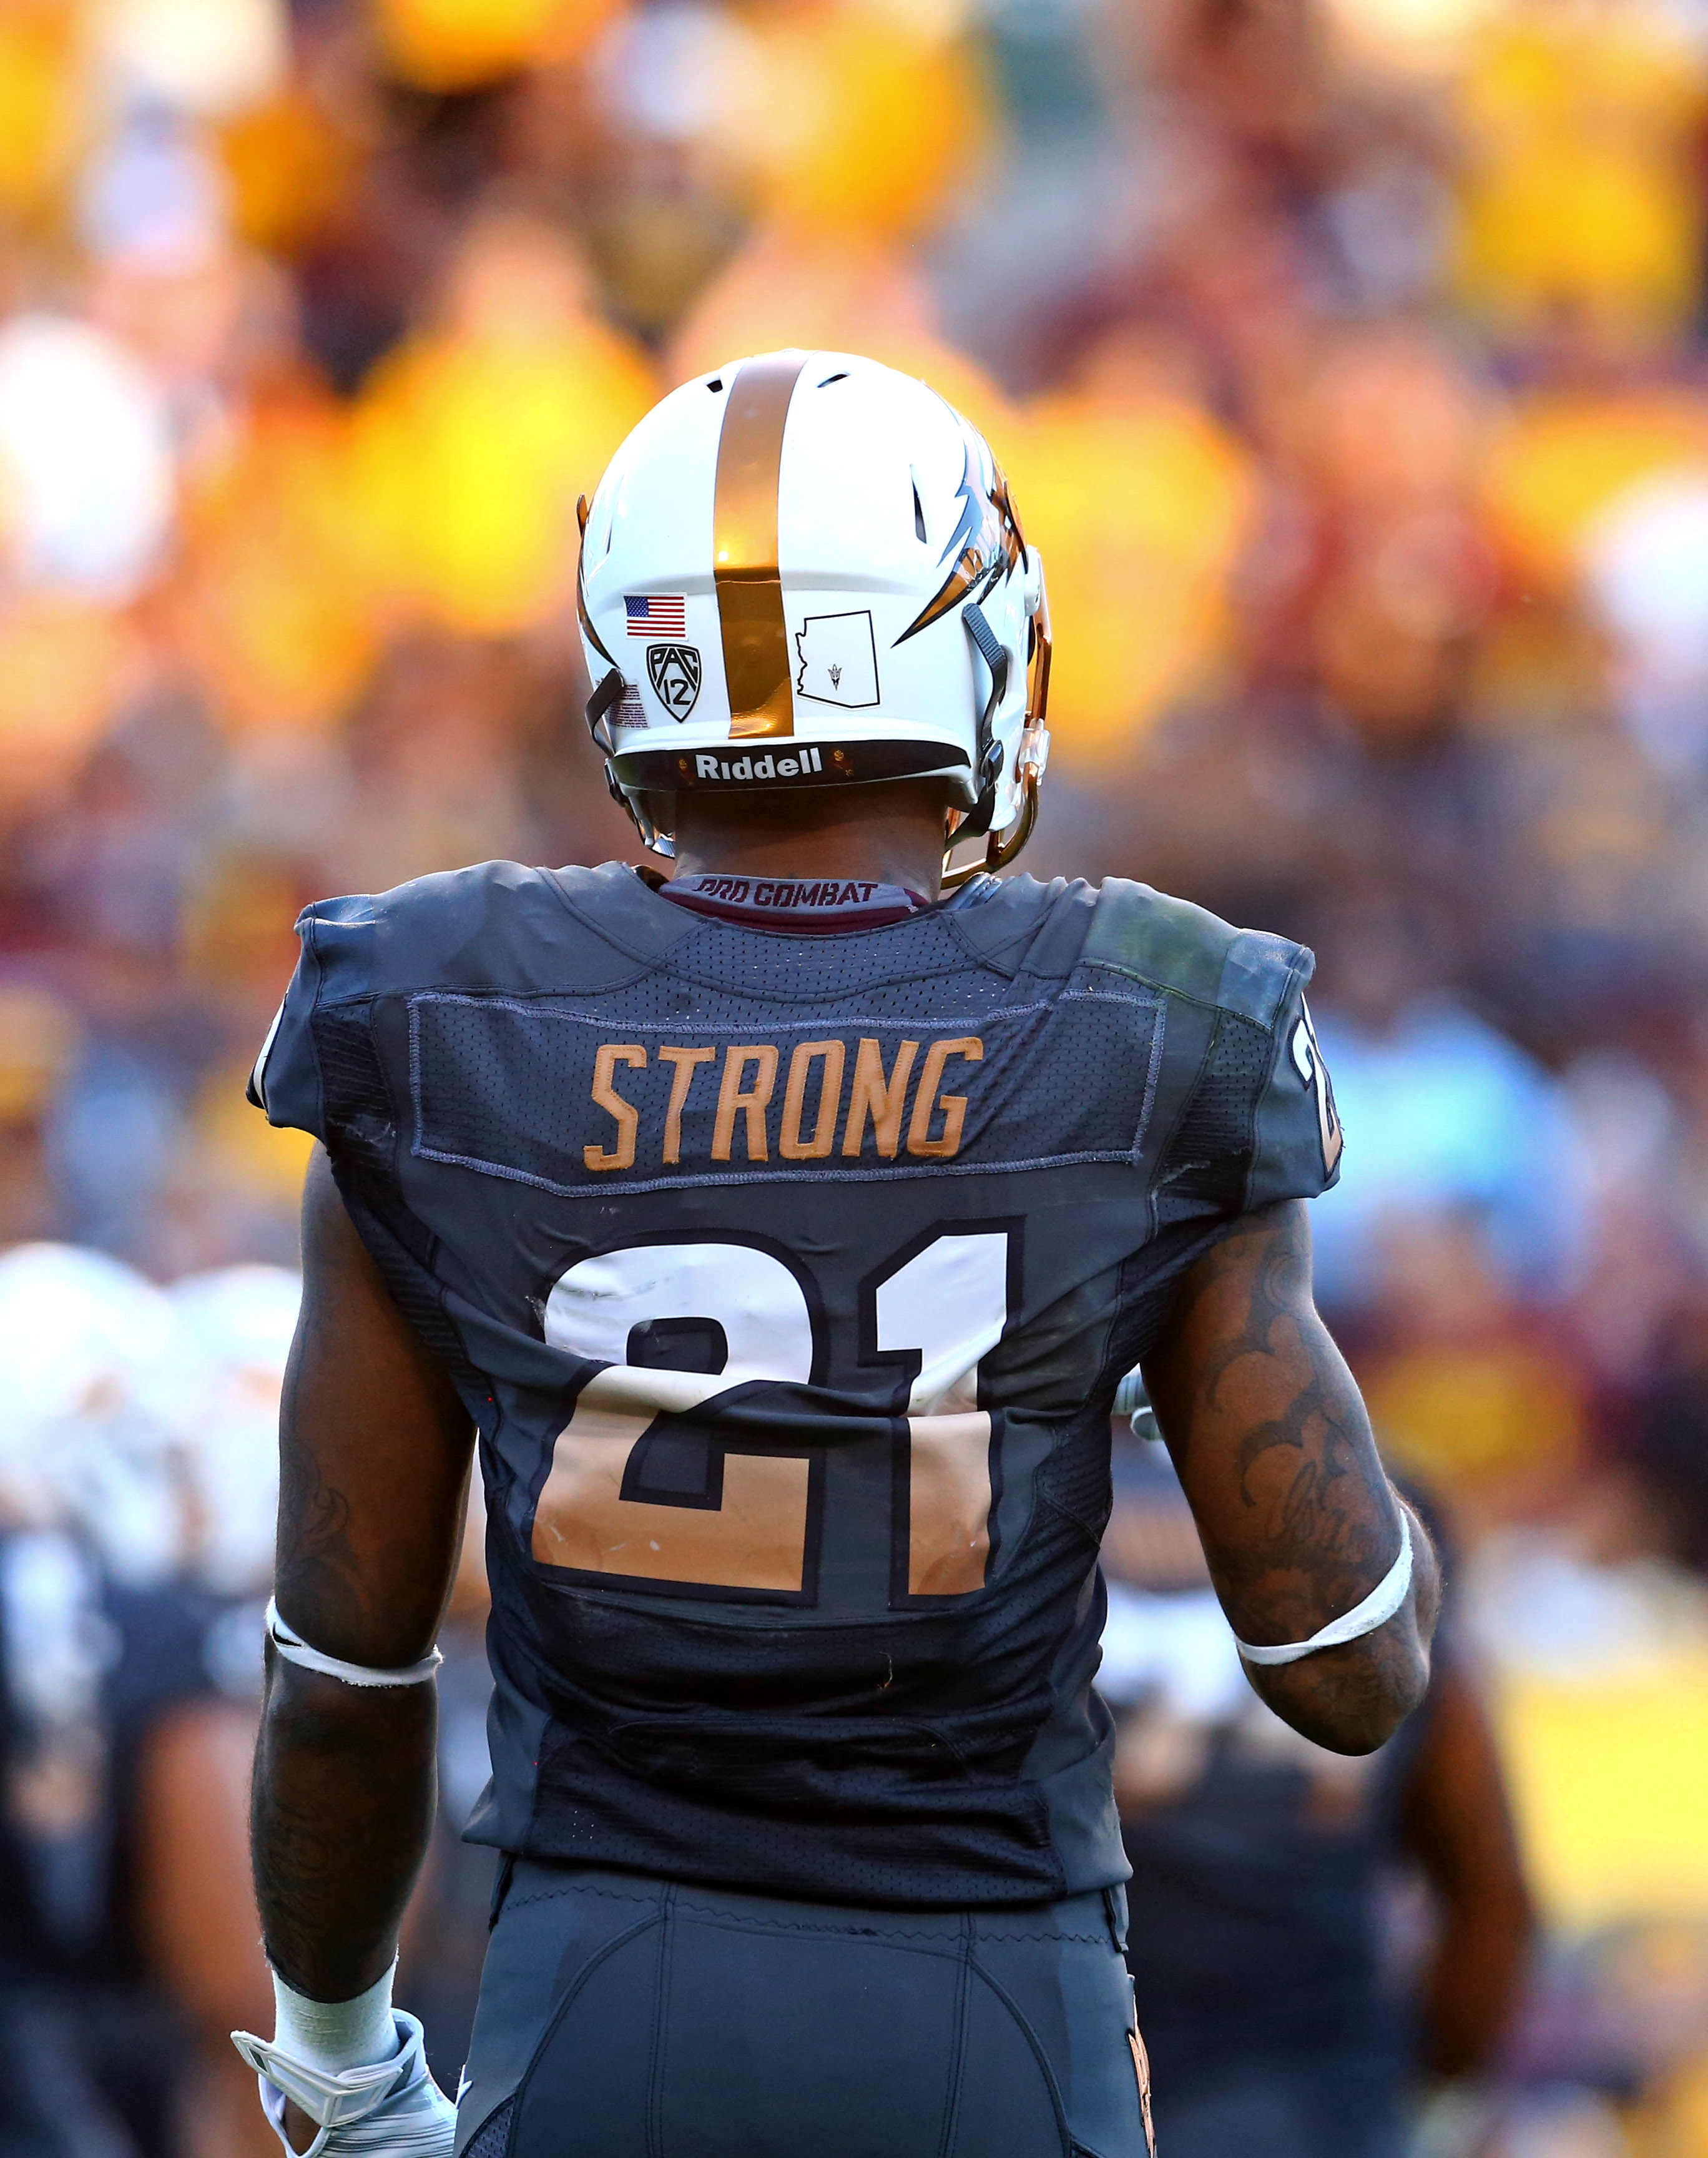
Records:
x=812, y=906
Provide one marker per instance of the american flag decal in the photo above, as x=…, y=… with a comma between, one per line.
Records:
x=656, y=617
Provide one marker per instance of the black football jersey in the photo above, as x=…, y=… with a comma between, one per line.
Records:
x=789, y=1279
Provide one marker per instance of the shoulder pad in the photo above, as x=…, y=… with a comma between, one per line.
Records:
x=1018, y=923
x=1260, y=1124
x=1174, y=945
x=495, y=925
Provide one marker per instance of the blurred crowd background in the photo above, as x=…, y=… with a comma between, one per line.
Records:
x=1348, y=359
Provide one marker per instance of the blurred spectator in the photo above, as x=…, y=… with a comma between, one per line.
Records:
x=1465, y=1387
x=1139, y=504
x=86, y=452
x=470, y=446
x=1452, y=1120
x=1580, y=197
x=1265, y=1870
x=137, y=1488
x=38, y=1043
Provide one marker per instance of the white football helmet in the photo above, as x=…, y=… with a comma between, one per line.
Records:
x=101, y=1393
x=241, y=1320
x=805, y=570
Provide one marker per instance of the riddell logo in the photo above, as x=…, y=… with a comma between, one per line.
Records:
x=757, y=767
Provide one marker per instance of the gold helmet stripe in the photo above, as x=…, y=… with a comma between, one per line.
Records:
x=745, y=547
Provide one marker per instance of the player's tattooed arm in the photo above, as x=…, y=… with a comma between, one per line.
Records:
x=374, y=1455
x=1298, y=1521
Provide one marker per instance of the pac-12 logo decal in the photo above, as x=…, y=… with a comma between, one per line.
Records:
x=1307, y=1060
x=675, y=672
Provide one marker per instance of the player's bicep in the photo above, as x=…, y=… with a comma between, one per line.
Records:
x=374, y=1448
x=1269, y=1434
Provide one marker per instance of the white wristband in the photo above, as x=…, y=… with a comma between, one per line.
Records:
x=335, y=2035
x=1376, y=1610
x=296, y=1651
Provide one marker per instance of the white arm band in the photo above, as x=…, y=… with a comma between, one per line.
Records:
x=332, y=2035
x=296, y=1651
x=1376, y=1610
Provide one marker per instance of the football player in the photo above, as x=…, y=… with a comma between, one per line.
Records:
x=781, y=1231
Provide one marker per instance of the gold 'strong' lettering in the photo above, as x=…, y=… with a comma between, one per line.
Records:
x=605, y=1094
x=816, y=1104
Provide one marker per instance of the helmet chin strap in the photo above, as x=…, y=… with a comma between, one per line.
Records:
x=987, y=757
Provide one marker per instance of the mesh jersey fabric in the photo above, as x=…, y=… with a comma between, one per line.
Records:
x=788, y=1279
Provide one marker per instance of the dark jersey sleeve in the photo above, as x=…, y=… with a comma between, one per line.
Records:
x=1258, y=1123
x=1296, y=1132
x=289, y=1081
x=363, y=957
x=319, y=1070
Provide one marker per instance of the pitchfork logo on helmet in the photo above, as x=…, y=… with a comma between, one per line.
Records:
x=821, y=563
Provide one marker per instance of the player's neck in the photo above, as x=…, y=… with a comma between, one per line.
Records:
x=890, y=834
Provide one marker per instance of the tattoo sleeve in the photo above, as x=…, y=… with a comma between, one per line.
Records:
x=1274, y=1449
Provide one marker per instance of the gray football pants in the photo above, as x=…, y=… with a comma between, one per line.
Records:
x=623, y=2017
